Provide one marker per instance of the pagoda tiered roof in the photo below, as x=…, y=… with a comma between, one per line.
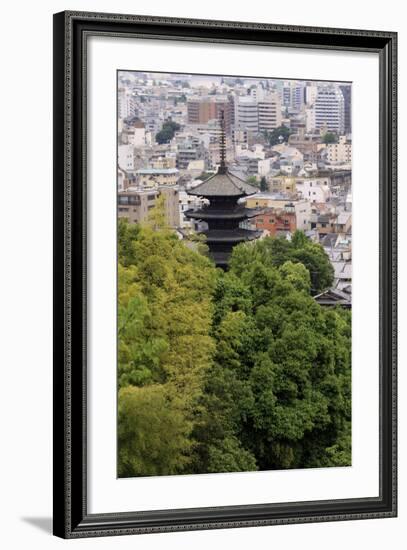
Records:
x=230, y=235
x=209, y=213
x=223, y=184
x=223, y=215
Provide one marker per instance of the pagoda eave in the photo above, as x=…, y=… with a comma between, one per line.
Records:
x=230, y=236
x=210, y=214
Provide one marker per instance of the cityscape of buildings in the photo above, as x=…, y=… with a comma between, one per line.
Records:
x=287, y=142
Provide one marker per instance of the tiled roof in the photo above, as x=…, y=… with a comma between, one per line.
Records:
x=145, y=171
x=223, y=185
x=211, y=213
x=230, y=235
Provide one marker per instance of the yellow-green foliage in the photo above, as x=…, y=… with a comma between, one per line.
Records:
x=153, y=433
x=231, y=371
x=165, y=347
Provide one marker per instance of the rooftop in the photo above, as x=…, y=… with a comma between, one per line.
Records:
x=225, y=185
x=230, y=236
x=334, y=297
x=207, y=213
x=146, y=171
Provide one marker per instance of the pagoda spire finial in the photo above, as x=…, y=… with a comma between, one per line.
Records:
x=222, y=166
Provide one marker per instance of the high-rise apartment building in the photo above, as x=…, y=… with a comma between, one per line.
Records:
x=258, y=112
x=346, y=90
x=246, y=114
x=329, y=109
x=126, y=103
x=293, y=95
x=269, y=112
x=203, y=109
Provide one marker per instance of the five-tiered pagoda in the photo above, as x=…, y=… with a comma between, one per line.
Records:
x=224, y=214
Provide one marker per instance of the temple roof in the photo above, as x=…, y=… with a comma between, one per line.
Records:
x=230, y=235
x=223, y=184
x=333, y=297
x=208, y=213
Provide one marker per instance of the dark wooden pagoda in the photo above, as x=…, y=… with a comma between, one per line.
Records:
x=224, y=214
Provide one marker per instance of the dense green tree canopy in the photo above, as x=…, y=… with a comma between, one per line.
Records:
x=330, y=137
x=276, y=251
x=263, y=184
x=167, y=131
x=228, y=371
x=278, y=135
x=252, y=180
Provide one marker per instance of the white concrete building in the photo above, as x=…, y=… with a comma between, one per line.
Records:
x=293, y=94
x=126, y=103
x=121, y=178
x=188, y=202
x=136, y=135
x=246, y=114
x=258, y=112
x=329, y=109
x=314, y=189
x=264, y=167
x=126, y=157
x=311, y=92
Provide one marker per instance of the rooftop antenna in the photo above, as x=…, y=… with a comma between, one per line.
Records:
x=222, y=166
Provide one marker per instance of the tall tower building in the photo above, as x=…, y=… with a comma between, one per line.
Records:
x=346, y=90
x=126, y=104
x=246, y=114
x=293, y=95
x=329, y=109
x=269, y=112
x=224, y=214
x=201, y=110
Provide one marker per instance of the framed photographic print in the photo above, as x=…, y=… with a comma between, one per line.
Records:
x=224, y=274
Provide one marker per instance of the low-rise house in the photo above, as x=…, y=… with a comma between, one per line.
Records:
x=325, y=223
x=343, y=222
x=339, y=153
x=314, y=189
x=282, y=184
x=302, y=208
x=149, y=178
x=334, y=297
x=276, y=221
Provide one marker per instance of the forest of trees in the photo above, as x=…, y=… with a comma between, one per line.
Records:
x=228, y=371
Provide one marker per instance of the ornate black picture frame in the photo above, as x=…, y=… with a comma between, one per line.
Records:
x=71, y=517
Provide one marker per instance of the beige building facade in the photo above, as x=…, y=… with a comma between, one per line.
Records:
x=339, y=153
x=152, y=177
x=135, y=204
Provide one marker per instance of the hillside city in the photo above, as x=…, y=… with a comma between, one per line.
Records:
x=289, y=139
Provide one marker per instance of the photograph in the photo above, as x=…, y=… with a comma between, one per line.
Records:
x=234, y=273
